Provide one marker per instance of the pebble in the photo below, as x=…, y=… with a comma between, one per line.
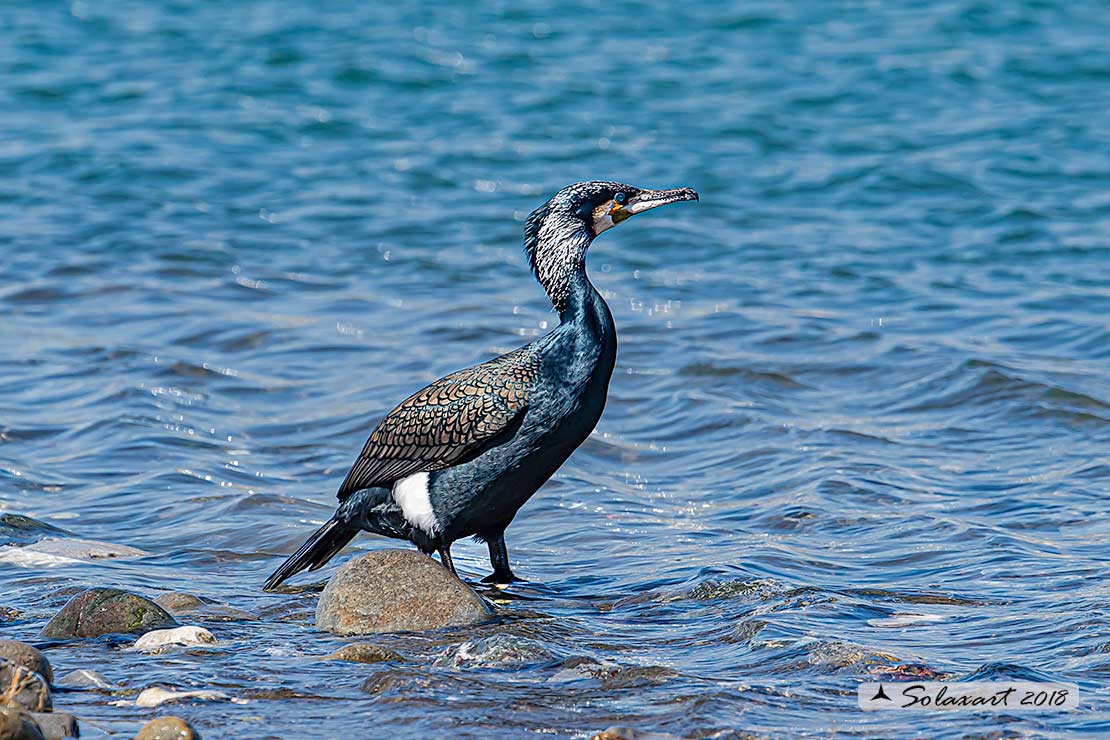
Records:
x=101, y=611
x=167, y=728
x=160, y=640
x=396, y=591
x=28, y=657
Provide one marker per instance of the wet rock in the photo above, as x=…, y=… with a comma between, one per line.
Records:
x=628, y=733
x=396, y=591
x=56, y=725
x=160, y=640
x=102, y=611
x=16, y=529
x=167, y=728
x=28, y=657
x=156, y=696
x=85, y=679
x=17, y=726
x=364, y=652
x=493, y=651
x=23, y=689
x=88, y=550
x=178, y=603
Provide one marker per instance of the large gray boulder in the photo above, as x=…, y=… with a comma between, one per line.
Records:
x=103, y=611
x=396, y=591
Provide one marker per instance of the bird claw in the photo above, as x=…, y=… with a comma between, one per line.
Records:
x=502, y=579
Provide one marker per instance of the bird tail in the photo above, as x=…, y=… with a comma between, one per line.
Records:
x=317, y=550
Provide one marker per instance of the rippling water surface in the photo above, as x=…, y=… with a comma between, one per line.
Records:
x=860, y=421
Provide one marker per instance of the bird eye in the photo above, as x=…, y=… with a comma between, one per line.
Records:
x=620, y=198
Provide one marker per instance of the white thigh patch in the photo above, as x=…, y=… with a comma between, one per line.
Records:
x=411, y=494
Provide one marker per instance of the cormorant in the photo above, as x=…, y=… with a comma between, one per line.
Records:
x=460, y=457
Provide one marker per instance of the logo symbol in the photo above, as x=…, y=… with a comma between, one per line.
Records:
x=880, y=694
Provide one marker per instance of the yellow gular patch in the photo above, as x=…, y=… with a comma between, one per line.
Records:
x=603, y=218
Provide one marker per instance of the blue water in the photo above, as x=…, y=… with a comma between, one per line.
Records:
x=860, y=422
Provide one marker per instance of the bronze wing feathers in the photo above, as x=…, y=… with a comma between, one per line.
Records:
x=451, y=421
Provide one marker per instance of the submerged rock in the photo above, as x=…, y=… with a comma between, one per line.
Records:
x=167, y=728
x=76, y=549
x=364, y=652
x=102, y=611
x=494, y=651
x=159, y=640
x=178, y=604
x=28, y=657
x=55, y=725
x=396, y=591
x=16, y=529
x=85, y=679
x=18, y=726
x=24, y=689
x=156, y=695
x=628, y=733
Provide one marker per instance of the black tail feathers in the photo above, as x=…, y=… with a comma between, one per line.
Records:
x=319, y=549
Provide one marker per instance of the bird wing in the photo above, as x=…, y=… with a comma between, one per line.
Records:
x=451, y=421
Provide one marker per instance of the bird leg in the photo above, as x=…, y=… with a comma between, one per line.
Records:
x=499, y=559
x=445, y=556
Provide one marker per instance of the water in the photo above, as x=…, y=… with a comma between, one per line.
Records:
x=860, y=420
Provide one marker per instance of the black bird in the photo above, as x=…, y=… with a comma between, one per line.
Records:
x=460, y=457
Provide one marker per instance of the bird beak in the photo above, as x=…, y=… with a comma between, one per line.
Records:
x=645, y=200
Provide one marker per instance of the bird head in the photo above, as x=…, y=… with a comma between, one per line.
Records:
x=558, y=233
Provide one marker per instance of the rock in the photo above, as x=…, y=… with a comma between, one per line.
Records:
x=396, y=591
x=17, y=726
x=16, y=529
x=28, y=657
x=75, y=549
x=56, y=725
x=156, y=695
x=167, y=728
x=101, y=611
x=85, y=679
x=627, y=733
x=159, y=640
x=495, y=650
x=178, y=603
x=23, y=689
x=364, y=652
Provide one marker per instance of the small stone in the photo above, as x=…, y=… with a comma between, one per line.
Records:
x=17, y=726
x=28, y=657
x=364, y=652
x=102, y=611
x=56, y=725
x=167, y=728
x=159, y=640
x=178, y=603
x=23, y=689
x=156, y=695
x=396, y=591
x=85, y=679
